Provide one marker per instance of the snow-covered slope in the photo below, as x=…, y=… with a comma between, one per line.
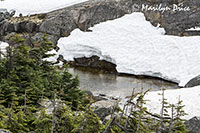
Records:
x=137, y=48
x=27, y=7
x=190, y=97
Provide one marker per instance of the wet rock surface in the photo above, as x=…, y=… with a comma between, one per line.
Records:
x=104, y=108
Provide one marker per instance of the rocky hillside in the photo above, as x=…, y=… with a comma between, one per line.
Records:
x=174, y=18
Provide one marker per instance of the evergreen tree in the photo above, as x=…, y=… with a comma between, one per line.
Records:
x=43, y=122
x=26, y=78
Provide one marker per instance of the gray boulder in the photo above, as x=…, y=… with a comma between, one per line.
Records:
x=4, y=14
x=38, y=37
x=30, y=27
x=104, y=108
x=3, y=17
x=193, y=82
x=193, y=125
x=8, y=27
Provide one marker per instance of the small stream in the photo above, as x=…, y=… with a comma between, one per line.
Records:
x=113, y=85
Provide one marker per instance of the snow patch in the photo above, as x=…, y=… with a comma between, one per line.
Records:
x=52, y=58
x=3, y=46
x=137, y=48
x=190, y=97
x=28, y=7
x=79, y=50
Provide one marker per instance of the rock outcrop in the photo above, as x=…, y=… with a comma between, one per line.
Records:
x=61, y=22
x=24, y=24
x=193, y=125
x=175, y=16
x=84, y=15
x=193, y=82
x=104, y=108
x=94, y=62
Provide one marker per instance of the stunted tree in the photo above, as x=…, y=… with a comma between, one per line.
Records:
x=26, y=78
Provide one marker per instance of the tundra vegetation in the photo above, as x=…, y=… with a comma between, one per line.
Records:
x=27, y=79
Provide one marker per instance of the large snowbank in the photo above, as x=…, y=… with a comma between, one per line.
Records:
x=137, y=48
x=27, y=7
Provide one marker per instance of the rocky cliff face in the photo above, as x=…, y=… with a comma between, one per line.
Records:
x=84, y=15
x=177, y=17
x=61, y=22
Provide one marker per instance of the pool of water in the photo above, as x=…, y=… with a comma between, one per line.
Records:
x=113, y=85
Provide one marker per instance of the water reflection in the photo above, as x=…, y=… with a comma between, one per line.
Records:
x=114, y=85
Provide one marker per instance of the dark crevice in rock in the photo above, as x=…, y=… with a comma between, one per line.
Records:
x=94, y=62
